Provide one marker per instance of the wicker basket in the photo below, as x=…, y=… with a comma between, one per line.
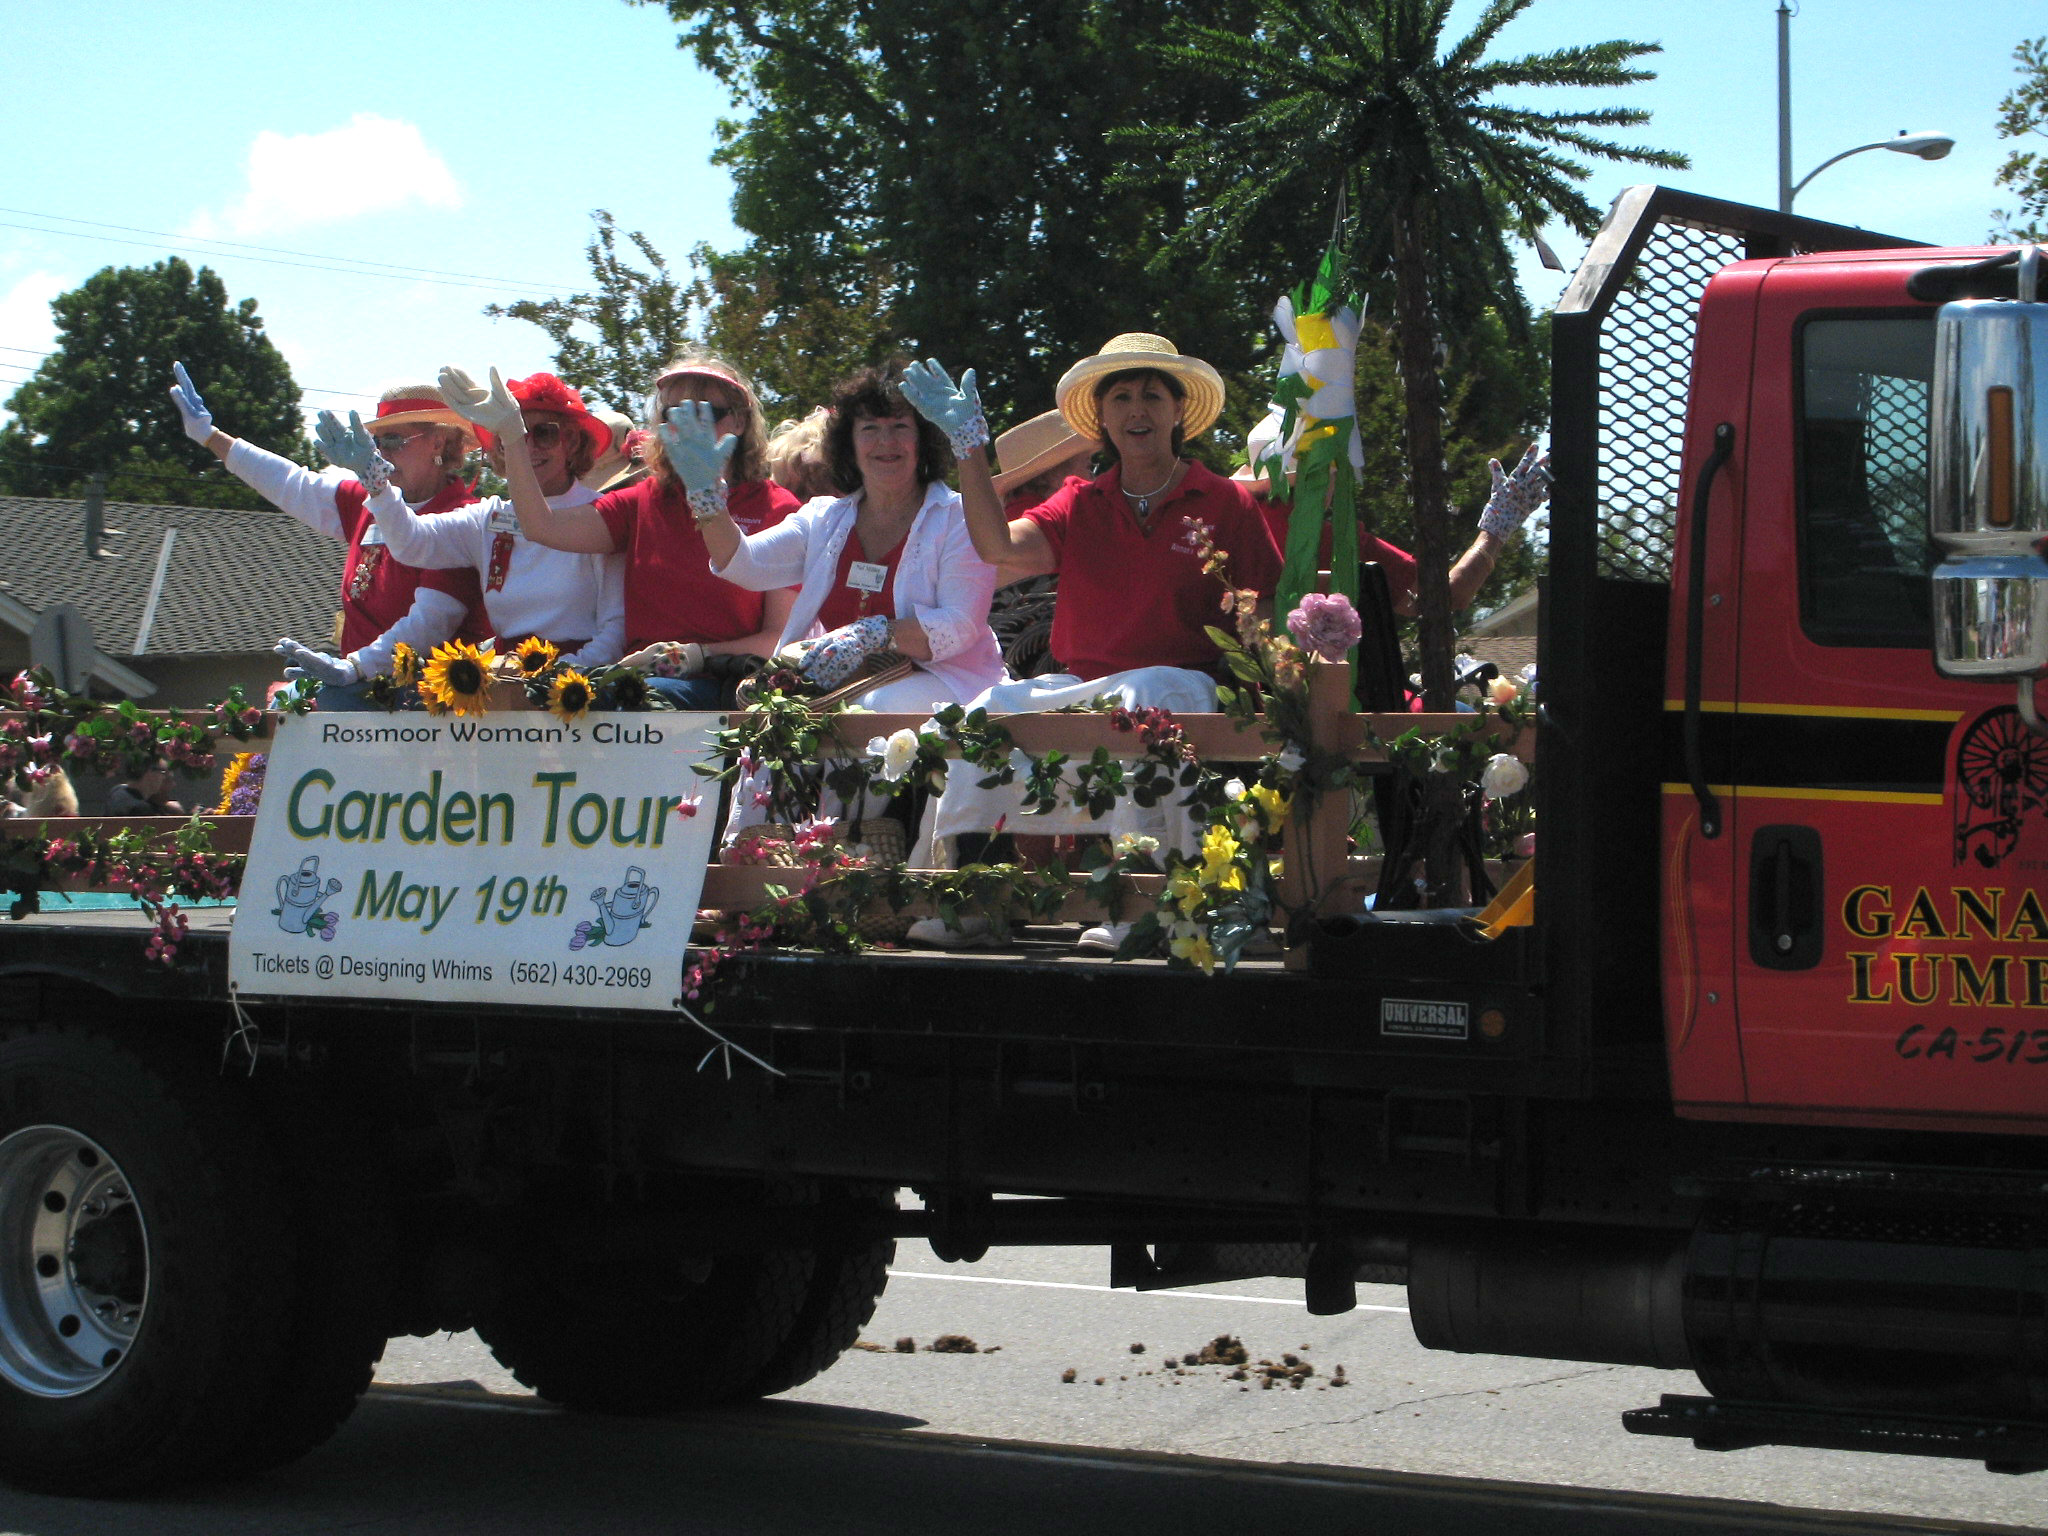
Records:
x=883, y=840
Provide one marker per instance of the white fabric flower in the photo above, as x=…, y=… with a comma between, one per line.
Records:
x=1234, y=789
x=1291, y=758
x=1502, y=776
x=898, y=752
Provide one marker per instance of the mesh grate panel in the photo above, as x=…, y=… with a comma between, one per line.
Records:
x=1895, y=446
x=1645, y=363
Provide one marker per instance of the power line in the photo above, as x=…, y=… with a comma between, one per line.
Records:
x=304, y=389
x=276, y=250
x=491, y=286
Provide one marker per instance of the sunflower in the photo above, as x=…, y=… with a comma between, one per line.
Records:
x=626, y=689
x=405, y=664
x=458, y=678
x=237, y=765
x=569, y=696
x=536, y=655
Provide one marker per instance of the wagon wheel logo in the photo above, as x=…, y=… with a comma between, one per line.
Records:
x=2001, y=775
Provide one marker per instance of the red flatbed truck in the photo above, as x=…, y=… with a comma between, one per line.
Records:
x=1761, y=1091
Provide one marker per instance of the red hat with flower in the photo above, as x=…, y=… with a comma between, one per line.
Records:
x=545, y=392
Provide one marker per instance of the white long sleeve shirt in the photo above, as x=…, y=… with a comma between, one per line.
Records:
x=529, y=589
x=940, y=581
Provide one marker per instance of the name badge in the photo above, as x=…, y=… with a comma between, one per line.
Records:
x=866, y=576
x=371, y=535
x=504, y=520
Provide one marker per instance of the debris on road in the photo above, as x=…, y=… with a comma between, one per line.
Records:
x=952, y=1344
x=1068, y=1375
x=906, y=1346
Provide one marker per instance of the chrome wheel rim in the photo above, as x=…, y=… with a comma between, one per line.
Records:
x=74, y=1262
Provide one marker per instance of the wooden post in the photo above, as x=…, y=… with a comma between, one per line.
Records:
x=1315, y=858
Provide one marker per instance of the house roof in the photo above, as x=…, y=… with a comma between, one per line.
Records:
x=235, y=581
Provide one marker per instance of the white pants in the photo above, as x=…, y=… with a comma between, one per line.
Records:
x=967, y=807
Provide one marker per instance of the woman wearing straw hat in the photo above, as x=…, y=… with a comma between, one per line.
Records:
x=1134, y=602
x=676, y=612
x=541, y=437
x=383, y=600
x=1038, y=457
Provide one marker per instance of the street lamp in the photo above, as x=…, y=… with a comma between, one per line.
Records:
x=1927, y=146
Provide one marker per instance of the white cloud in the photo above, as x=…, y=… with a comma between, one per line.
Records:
x=373, y=165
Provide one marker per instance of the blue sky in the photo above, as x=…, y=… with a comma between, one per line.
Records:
x=470, y=140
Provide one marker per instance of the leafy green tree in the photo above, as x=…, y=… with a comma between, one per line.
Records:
x=1438, y=171
x=795, y=348
x=97, y=405
x=962, y=152
x=640, y=317
x=2025, y=111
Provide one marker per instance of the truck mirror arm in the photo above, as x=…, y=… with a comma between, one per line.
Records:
x=1695, y=629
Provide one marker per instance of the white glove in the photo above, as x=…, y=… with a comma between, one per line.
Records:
x=307, y=662
x=667, y=658
x=955, y=409
x=352, y=448
x=694, y=450
x=493, y=409
x=192, y=411
x=1515, y=496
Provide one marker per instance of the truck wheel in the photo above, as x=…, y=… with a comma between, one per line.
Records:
x=845, y=1285
x=144, y=1268
x=637, y=1338
x=342, y=1239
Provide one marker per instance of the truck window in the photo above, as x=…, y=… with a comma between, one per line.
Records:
x=1864, y=552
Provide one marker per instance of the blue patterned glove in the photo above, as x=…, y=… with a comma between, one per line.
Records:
x=839, y=654
x=352, y=448
x=1515, y=496
x=693, y=448
x=954, y=409
x=192, y=411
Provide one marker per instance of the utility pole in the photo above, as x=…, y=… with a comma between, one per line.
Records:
x=1784, y=107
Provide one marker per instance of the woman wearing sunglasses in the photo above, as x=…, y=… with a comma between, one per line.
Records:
x=383, y=600
x=541, y=437
x=677, y=612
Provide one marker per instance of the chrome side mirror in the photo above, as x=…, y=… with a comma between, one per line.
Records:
x=1988, y=485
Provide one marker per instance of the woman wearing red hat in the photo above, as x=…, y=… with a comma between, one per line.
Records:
x=537, y=432
x=384, y=600
x=677, y=612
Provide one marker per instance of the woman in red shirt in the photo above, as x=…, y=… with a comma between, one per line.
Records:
x=677, y=612
x=1133, y=601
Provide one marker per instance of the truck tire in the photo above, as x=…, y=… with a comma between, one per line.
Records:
x=342, y=1240
x=845, y=1285
x=608, y=1339
x=145, y=1267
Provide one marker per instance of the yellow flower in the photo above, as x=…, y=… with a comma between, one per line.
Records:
x=569, y=695
x=1196, y=950
x=229, y=779
x=1273, y=806
x=535, y=655
x=458, y=678
x=1184, y=889
x=405, y=664
x=1313, y=333
x=1219, y=852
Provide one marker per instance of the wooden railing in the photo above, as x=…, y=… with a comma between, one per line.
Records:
x=1317, y=838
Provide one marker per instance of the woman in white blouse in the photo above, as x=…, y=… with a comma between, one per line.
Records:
x=887, y=567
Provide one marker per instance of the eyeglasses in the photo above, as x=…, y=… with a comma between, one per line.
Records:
x=391, y=442
x=544, y=434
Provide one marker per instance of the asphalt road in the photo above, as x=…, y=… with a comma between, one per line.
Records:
x=995, y=1442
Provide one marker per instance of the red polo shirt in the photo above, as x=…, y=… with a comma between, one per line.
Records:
x=377, y=591
x=1134, y=595
x=670, y=591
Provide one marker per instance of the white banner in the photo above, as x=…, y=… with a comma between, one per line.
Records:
x=502, y=859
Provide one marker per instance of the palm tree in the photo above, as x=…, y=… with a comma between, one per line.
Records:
x=1360, y=96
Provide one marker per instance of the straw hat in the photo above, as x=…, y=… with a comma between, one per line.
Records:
x=1140, y=349
x=1034, y=446
x=616, y=466
x=419, y=405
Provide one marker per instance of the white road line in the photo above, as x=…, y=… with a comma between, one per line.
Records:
x=1069, y=1285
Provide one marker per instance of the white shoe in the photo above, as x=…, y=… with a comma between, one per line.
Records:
x=933, y=933
x=1108, y=937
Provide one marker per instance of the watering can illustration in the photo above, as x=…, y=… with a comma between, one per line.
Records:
x=629, y=908
x=299, y=895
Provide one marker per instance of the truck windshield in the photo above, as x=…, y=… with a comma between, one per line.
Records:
x=1864, y=552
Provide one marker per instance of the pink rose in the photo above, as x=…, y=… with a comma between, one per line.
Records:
x=1326, y=625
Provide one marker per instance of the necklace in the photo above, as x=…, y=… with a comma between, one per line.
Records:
x=1143, y=499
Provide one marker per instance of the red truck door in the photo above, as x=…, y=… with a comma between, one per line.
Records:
x=1888, y=827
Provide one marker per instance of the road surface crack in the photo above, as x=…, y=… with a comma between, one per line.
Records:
x=1413, y=1402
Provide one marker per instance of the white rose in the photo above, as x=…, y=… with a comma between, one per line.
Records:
x=1503, y=776
x=1234, y=790
x=877, y=745
x=898, y=752
x=1291, y=759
